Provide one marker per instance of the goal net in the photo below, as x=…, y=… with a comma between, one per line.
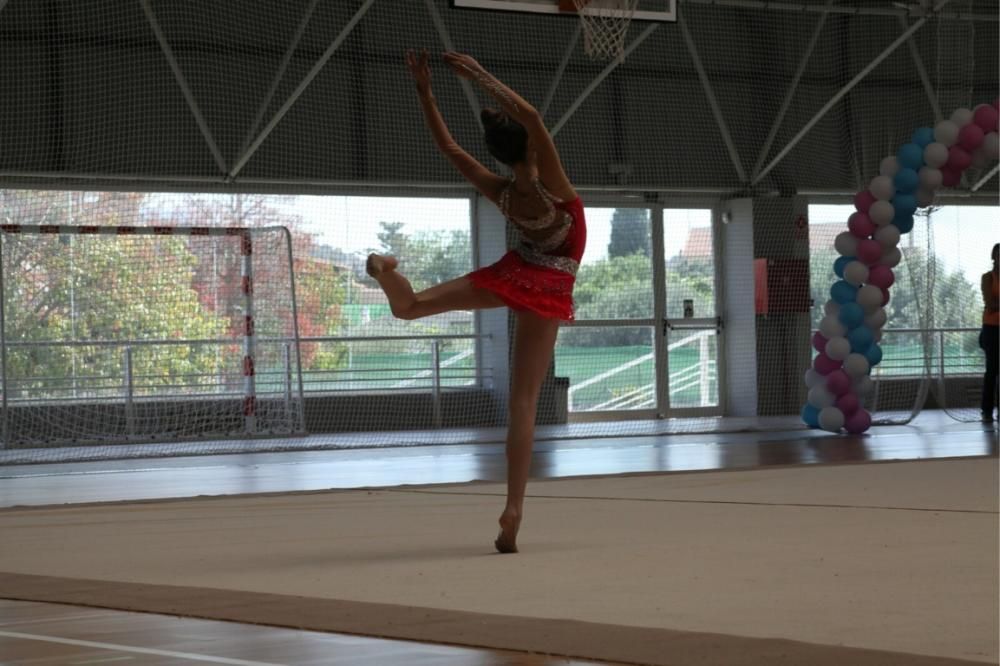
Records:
x=124, y=334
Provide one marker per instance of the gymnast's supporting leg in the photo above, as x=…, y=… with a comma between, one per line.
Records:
x=534, y=341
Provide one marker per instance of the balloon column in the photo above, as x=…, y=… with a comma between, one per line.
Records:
x=848, y=338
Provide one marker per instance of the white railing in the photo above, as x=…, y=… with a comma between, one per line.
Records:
x=700, y=374
x=931, y=357
x=277, y=376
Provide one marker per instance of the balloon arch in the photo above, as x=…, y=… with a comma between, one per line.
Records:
x=849, y=334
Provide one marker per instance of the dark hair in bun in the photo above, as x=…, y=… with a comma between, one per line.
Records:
x=506, y=139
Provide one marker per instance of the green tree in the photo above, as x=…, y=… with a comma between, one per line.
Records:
x=630, y=233
x=613, y=288
x=320, y=287
x=924, y=295
x=71, y=288
x=427, y=257
x=438, y=256
x=927, y=295
x=821, y=278
x=394, y=241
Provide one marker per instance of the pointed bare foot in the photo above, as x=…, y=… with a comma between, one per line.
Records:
x=378, y=263
x=510, y=523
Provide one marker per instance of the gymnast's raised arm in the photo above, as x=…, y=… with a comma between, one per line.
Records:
x=484, y=180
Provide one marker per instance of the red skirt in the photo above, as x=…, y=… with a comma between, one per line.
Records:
x=547, y=292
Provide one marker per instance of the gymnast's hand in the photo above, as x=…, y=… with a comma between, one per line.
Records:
x=463, y=65
x=419, y=69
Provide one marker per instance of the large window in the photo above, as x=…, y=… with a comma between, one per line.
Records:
x=350, y=341
x=645, y=339
x=935, y=309
x=431, y=239
x=611, y=366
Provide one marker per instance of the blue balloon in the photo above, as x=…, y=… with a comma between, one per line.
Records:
x=851, y=315
x=810, y=416
x=905, y=204
x=923, y=137
x=906, y=181
x=861, y=339
x=841, y=264
x=874, y=355
x=904, y=223
x=910, y=156
x=843, y=292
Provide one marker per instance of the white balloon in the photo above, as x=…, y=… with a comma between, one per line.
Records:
x=877, y=334
x=930, y=178
x=876, y=320
x=813, y=378
x=891, y=257
x=820, y=396
x=856, y=273
x=856, y=365
x=882, y=187
x=838, y=348
x=831, y=419
x=946, y=132
x=846, y=244
x=832, y=308
x=889, y=166
x=882, y=213
x=887, y=236
x=924, y=198
x=991, y=146
x=936, y=154
x=831, y=327
x=870, y=298
x=863, y=385
x=961, y=117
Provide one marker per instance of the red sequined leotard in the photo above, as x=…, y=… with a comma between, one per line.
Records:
x=538, y=275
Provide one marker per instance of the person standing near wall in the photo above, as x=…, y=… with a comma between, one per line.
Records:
x=989, y=336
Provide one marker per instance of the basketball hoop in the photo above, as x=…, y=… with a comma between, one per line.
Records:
x=605, y=24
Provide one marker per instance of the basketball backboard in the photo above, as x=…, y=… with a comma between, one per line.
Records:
x=647, y=10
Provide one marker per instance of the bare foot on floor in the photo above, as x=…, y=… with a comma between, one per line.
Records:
x=510, y=523
x=378, y=263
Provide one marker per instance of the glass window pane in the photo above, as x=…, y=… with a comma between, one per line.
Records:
x=331, y=237
x=615, y=280
x=937, y=286
x=609, y=368
x=689, y=251
x=692, y=361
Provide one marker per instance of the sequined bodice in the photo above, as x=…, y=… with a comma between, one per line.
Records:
x=548, y=232
x=553, y=225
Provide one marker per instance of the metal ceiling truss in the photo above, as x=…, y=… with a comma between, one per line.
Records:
x=843, y=91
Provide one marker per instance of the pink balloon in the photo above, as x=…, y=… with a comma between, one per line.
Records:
x=858, y=422
x=881, y=276
x=848, y=403
x=838, y=382
x=996, y=104
x=986, y=117
x=959, y=159
x=885, y=297
x=819, y=341
x=970, y=137
x=861, y=225
x=863, y=200
x=869, y=251
x=950, y=177
x=824, y=365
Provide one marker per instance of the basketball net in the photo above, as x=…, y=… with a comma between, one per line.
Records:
x=605, y=25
